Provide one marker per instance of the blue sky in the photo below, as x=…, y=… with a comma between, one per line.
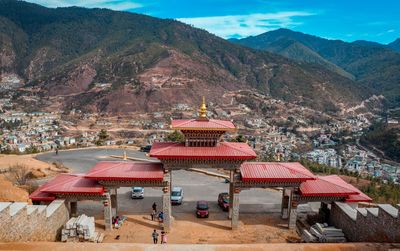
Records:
x=347, y=20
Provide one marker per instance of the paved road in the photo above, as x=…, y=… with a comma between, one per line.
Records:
x=196, y=186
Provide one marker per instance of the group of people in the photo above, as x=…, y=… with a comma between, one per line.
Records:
x=163, y=237
x=154, y=213
x=161, y=219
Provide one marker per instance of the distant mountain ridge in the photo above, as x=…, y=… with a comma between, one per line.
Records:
x=149, y=63
x=371, y=64
x=395, y=45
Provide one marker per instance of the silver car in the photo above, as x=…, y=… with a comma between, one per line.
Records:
x=137, y=193
x=177, y=195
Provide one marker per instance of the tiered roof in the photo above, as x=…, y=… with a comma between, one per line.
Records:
x=206, y=125
x=224, y=150
x=275, y=171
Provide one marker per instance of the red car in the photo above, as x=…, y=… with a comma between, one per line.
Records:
x=202, y=209
x=223, y=201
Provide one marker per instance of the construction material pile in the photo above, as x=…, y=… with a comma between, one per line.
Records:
x=80, y=228
x=323, y=233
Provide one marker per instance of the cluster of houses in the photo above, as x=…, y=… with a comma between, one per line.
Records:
x=21, y=131
x=325, y=156
x=366, y=163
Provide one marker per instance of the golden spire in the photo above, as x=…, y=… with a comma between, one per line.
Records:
x=203, y=110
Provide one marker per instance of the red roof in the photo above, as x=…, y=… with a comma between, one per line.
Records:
x=72, y=183
x=360, y=197
x=126, y=170
x=327, y=186
x=223, y=150
x=275, y=171
x=41, y=196
x=195, y=124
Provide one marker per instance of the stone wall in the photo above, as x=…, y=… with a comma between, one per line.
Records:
x=380, y=224
x=22, y=222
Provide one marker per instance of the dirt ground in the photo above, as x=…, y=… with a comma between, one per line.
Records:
x=187, y=229
x=35, y=169
x=40, y=246
x=10, y=192
x=8, y=160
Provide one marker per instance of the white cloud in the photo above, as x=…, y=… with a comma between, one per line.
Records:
x=246, y=25
x=113, y=5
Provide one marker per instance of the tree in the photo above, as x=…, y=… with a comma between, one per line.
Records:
x=102, y=137
x=239, y=138
x=175, y=136
x=18, y=174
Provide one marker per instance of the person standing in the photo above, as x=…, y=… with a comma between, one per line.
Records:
x=153, y=214
x=154, y=206
x=163, y=237
x=155, y=236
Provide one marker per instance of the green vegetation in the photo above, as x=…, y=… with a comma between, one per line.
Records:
x=120, y=46
x=376, y=67
x=175, y=136
x=384, y=138
x=102, y=137
x=10, y=125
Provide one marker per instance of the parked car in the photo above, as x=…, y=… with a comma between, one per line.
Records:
x=202, y=209
x=223, y=201
x=145, y=149
x=137, y=193
x=177, y=195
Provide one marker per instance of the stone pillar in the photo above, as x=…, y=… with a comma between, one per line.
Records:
x=114, y=202
x=167, y=203
x=230, y=194
x=107, y=212
x=73, y=208
x=285, y=204
x=292, y=212
x=293, y=217
x=235, y=209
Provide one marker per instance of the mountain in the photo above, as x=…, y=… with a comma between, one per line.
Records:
x=372, y=65
x=147, y=63
x=395, y=45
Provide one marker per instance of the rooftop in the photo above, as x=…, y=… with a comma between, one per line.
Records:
x=223, y=150
x=275, y=171
x=208, y=125
x=68, y=184
x=126, y=170
x=333, y=185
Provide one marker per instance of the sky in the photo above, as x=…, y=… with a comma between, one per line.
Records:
x=348, y=20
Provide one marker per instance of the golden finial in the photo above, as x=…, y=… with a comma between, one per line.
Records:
x=203, y=110
x=125, y=157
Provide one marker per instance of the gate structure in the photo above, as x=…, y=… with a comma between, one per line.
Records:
x=201, y=148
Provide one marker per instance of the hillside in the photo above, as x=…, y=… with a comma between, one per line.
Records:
x=371, y=64
x=148, y=63
x=395, y=45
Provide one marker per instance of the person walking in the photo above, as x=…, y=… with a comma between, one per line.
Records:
x=163, y=237
x=155, y=236
x=154, y=206
x=153, y=214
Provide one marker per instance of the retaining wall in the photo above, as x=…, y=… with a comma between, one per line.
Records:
x=378, y=224
x=22, y=222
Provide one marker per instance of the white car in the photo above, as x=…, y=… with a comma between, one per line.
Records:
x=137, y=192
x=177, y=195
